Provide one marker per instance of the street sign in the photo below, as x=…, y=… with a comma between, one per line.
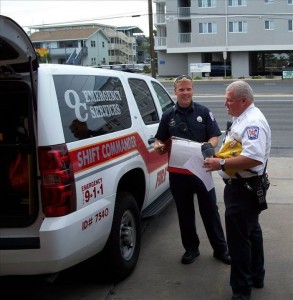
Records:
x=224, y=55
x=200, y=67
x=287, y=74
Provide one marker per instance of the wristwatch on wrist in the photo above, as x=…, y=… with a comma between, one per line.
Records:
x=222, y=164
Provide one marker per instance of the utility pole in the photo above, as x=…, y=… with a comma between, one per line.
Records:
x=151, y=38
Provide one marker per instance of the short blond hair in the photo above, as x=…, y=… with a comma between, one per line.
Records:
x=182, y=78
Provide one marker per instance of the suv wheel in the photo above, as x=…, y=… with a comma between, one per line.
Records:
x=123, y=246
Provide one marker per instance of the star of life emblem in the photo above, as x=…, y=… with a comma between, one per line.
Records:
x=252, y=132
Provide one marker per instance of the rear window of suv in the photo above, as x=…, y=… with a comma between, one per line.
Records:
x=91, y=105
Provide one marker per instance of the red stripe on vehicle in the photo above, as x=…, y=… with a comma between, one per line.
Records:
x=101, y=153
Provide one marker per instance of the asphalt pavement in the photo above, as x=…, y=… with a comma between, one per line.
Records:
x=159, y=275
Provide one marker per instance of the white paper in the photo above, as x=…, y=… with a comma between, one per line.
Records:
x=187, y=154
x=195, y=165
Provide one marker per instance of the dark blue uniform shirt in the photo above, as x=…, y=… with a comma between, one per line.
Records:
x=195, y=123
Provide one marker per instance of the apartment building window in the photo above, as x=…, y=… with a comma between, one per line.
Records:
x=184, y=9
x=269, y=25
x=184, y=31
x=206, y=3
x=237, y=3
x=238, y=26
x=269, y=1
x=93, y=44
x=290, y=2
x=103, y=44
x=93, y=60
x=290, y=25
x=210, y=27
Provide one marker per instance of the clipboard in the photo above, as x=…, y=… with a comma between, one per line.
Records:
x=181, y=151
x=186, y=158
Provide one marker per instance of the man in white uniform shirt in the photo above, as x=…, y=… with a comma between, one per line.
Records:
x=240, y=161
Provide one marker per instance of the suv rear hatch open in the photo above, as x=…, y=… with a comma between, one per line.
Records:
x=18, y=166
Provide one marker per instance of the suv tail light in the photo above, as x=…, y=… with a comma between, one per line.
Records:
x=57, y=181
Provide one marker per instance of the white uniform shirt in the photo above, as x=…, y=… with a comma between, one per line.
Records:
x=252, y=130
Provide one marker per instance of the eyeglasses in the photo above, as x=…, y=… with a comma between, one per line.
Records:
x=182, y=78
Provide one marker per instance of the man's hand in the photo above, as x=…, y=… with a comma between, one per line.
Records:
x=211, y=164
x=160, y=147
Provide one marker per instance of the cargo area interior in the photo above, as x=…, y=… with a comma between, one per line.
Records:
x=17, y=155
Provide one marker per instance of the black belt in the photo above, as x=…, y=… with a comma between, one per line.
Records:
x=231, y=181
x=247, y=182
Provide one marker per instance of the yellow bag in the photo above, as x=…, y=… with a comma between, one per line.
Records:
x=231, y=148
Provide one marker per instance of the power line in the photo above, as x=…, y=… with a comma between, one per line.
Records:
x=89, y=20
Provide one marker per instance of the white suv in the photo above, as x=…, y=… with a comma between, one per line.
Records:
x=77, y=165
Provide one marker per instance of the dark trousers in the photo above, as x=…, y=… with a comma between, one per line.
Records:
x=183, y=188
x=244, y=237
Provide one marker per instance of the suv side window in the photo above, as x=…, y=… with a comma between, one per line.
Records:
x=91, y=105
x=144, y=101
x=164, y=98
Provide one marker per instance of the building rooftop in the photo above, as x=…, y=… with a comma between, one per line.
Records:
x=63, y=34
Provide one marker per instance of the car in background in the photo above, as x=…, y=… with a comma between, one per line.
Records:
x=218, y=69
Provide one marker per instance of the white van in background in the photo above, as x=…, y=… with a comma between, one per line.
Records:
x=77, y=165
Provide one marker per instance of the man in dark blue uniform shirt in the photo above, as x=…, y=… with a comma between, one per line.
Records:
x=195, y=122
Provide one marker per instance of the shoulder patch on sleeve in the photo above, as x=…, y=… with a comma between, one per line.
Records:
x=252, y=132
x=212, y=116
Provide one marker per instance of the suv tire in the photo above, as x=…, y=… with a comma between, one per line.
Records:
x=123, y=246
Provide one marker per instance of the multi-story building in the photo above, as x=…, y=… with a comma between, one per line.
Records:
x=252, y=37
x=141, y=42
x=122, y=46
x=87, y=44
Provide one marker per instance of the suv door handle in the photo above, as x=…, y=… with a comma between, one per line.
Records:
x=151, y=140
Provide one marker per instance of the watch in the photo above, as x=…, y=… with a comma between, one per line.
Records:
x=222, y=164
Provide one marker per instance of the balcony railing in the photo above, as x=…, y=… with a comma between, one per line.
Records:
x=61, y=51
x=184, y=38
x=160, y=19
x=122, y=48
x=160, y=41
x=183, y=12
